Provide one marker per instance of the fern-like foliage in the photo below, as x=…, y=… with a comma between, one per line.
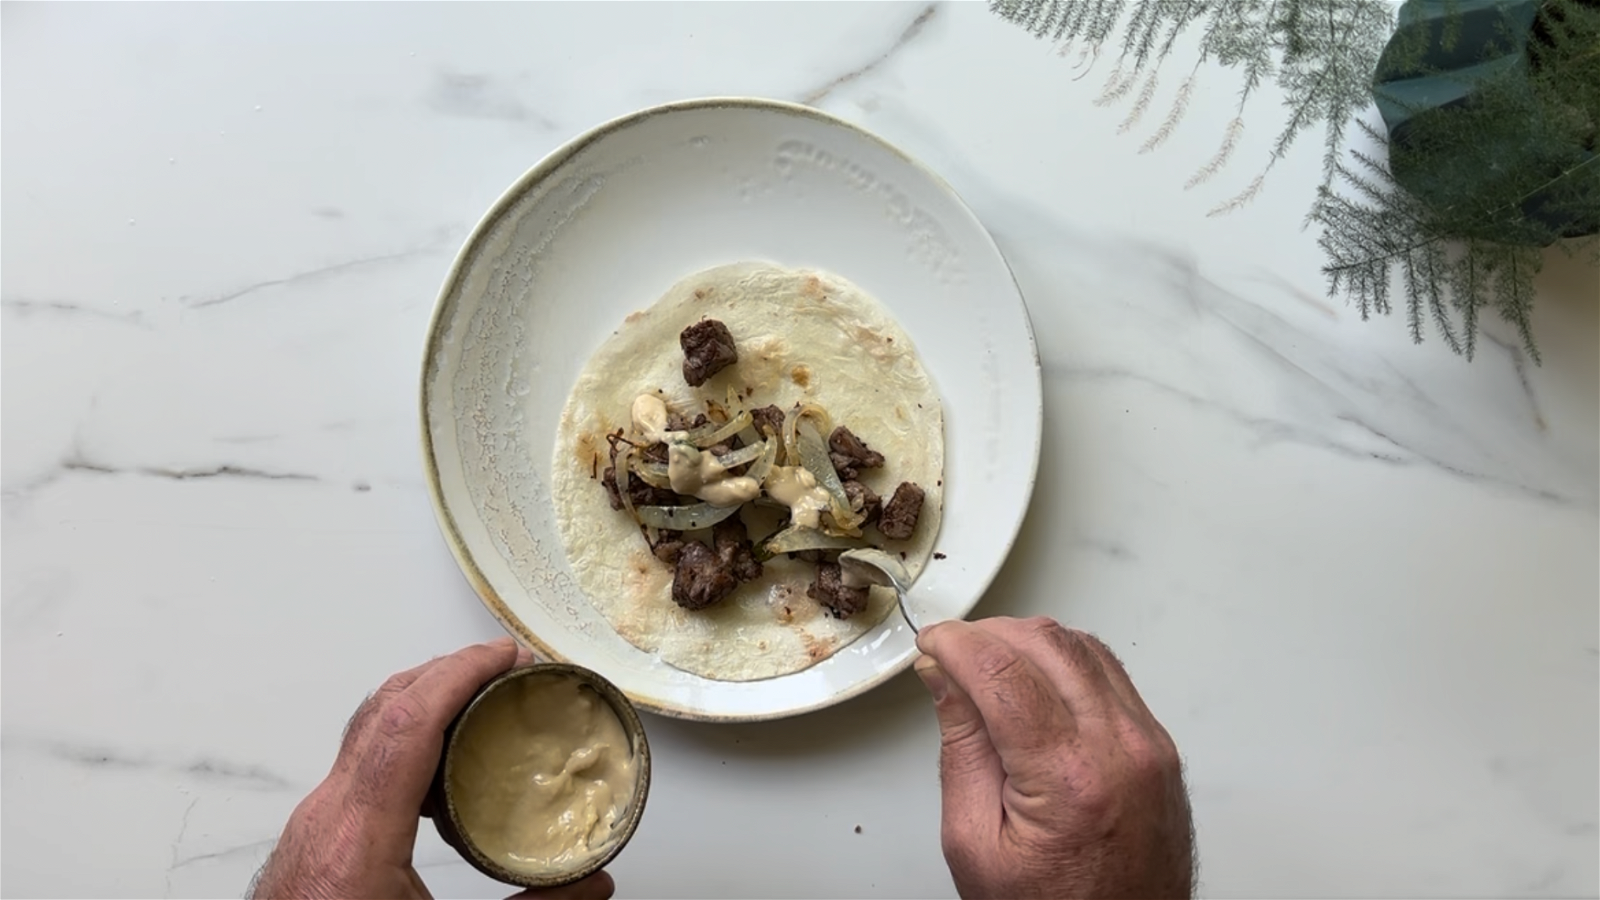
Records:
x=1321, y=53
x=1373, y=226
x=1462, y=207
x=1461, y=243
x=1466, y=204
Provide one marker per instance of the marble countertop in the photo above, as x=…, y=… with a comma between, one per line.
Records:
x=1355, y=577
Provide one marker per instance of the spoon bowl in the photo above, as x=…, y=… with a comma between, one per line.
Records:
x=869, y=566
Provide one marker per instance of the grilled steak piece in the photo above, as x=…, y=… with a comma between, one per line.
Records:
x=863, y=500
x=768, y=418
x=681, y=422
x=641, y=492
x=700, y=578
x=829, y=590
x=726, y=445
x=899, y=516
x=707, y=349
x=668, y=545
x=734, y=549
x=849, y=455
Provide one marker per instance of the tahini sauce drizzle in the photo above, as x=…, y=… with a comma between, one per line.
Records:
x=692, y=471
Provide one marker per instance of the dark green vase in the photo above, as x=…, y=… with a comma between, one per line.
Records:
x=1481, y=126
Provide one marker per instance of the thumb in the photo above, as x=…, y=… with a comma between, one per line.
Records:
x=970, y=775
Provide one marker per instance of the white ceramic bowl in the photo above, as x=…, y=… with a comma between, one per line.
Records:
x=601, y=228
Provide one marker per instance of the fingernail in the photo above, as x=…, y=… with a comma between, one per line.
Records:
x=933, y=677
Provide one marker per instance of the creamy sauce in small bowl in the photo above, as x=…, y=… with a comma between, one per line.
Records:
x=543, y=777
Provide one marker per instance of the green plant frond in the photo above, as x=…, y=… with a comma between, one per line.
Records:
x=1010, y=10
x=1047, y=24
x=1230, y=140
x=1514, y=293
x=1041, y=18
x=1449, y=266
x=1117, y=85
x=1183, y=15
x=1413, y=298
x=1142, y=32
x=1071, y=25
x=1376, y=170
x=1180, y=105
x=1240, y=44
x=1378, y=283
x=1140, y=105
x=1032, y=14
x=1431, y=275
x=1103, y=20
x=1367, y=187
x=1470, y=281
x=1240, y=199
x=1456, y=251
x=1340, y=41
x=1373, y=133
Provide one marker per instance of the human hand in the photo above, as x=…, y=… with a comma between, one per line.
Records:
x=353, y=835
x=1057, y=780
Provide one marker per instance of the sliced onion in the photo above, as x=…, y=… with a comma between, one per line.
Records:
x=747, y=453
x=652, y=473
x=621, y=466
x=658, y=475
x=762, y=466
x=791, y=425
x=814, y=456
x=813, y=411
x=791, y=454
x=796, y=538
x=685, y=518
x=711, y=434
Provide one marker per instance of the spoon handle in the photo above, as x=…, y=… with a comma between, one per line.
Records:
x=900, y=598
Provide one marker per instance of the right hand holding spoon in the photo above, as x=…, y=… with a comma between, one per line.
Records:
x=1057, y=780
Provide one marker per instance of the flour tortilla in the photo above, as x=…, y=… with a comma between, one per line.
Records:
x=801, y=335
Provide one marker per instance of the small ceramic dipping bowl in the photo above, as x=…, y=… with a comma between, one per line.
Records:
x=544, y=776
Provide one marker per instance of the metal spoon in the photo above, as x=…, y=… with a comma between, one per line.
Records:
x=860, y=568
